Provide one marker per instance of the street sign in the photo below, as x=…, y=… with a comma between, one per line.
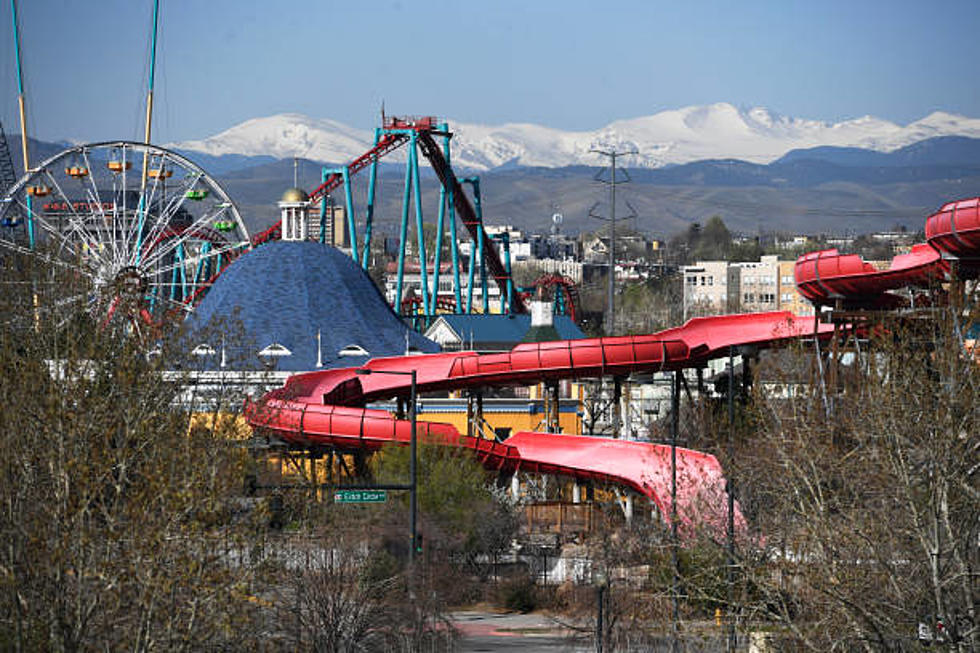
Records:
x=360, y=496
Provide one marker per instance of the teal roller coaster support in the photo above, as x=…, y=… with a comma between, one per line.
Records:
x=559, y=302
x=403, y=232
x=349, y=209
x=413, y=154
x=369, y=217
x=478, y=246
x=323, y=220
x=507, y=297
x=450, y=202
x=178, y=278
x=446, y=202
x=344, y=173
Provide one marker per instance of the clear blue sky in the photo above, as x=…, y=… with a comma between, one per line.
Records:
x=571, y=64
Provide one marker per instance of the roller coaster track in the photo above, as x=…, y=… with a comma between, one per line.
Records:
x=389, y=142
x=467, y=214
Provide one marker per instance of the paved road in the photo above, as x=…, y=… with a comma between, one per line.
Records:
x=534, y=633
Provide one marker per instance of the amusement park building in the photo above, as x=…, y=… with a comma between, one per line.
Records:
x=492, y=333
x=300, y=306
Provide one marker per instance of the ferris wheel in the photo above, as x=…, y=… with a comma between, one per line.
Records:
x=149, y=228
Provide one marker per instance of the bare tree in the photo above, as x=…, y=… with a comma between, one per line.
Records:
x=867, y=500
x=116, y=524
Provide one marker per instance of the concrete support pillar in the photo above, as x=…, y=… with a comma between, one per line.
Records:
x=576, y=493
x=515, y=487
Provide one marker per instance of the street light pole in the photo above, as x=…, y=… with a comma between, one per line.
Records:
x=413, y=474
x=413, y=485
x=601, y=583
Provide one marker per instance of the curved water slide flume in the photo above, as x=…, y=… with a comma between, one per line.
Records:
x=953, y=234
x=827, y=276
x=955, y=229
x=327, y=407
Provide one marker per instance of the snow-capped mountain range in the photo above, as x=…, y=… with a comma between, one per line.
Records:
x=716, y=131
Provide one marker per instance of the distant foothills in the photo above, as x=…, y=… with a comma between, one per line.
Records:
x=757, y=170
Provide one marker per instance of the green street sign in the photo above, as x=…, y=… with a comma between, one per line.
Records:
x=360, y=496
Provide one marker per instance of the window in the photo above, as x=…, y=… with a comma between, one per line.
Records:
x=203, y=349
x=353, y=350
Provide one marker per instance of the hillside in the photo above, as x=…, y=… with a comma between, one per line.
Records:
x=823, y=189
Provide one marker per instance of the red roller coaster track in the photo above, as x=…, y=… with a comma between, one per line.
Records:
x=561, y=284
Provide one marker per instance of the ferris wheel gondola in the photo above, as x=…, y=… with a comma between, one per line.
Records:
x=146, y=248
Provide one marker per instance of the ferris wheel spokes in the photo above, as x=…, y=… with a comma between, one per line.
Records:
x=148, y=246
x=75, y=220
x=199, y=229
x=165, y=218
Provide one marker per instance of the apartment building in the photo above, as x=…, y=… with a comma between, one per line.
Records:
x=714, y=287
x=705, y=288
x=789, y=297
x=753, y=287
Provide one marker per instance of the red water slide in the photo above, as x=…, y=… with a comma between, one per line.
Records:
x=955, y=230
x=327, y=407
x=953, y=234
x=826, y=276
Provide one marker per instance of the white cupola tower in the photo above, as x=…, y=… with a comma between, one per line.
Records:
x=293, y=211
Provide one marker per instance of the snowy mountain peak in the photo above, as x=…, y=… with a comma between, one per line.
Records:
x=714, y=131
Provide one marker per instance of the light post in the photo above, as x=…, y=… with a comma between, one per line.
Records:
x=412, y=465
x=601, y=583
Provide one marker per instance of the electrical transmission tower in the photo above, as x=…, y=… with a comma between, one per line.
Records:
x=612, y=182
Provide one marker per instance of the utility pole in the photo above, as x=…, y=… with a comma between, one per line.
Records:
x=612, y=183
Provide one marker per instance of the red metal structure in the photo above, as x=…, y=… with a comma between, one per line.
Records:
x=565, y=290
x=327, y=407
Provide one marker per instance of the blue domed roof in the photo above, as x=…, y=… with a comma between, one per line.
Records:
x=283, y=293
